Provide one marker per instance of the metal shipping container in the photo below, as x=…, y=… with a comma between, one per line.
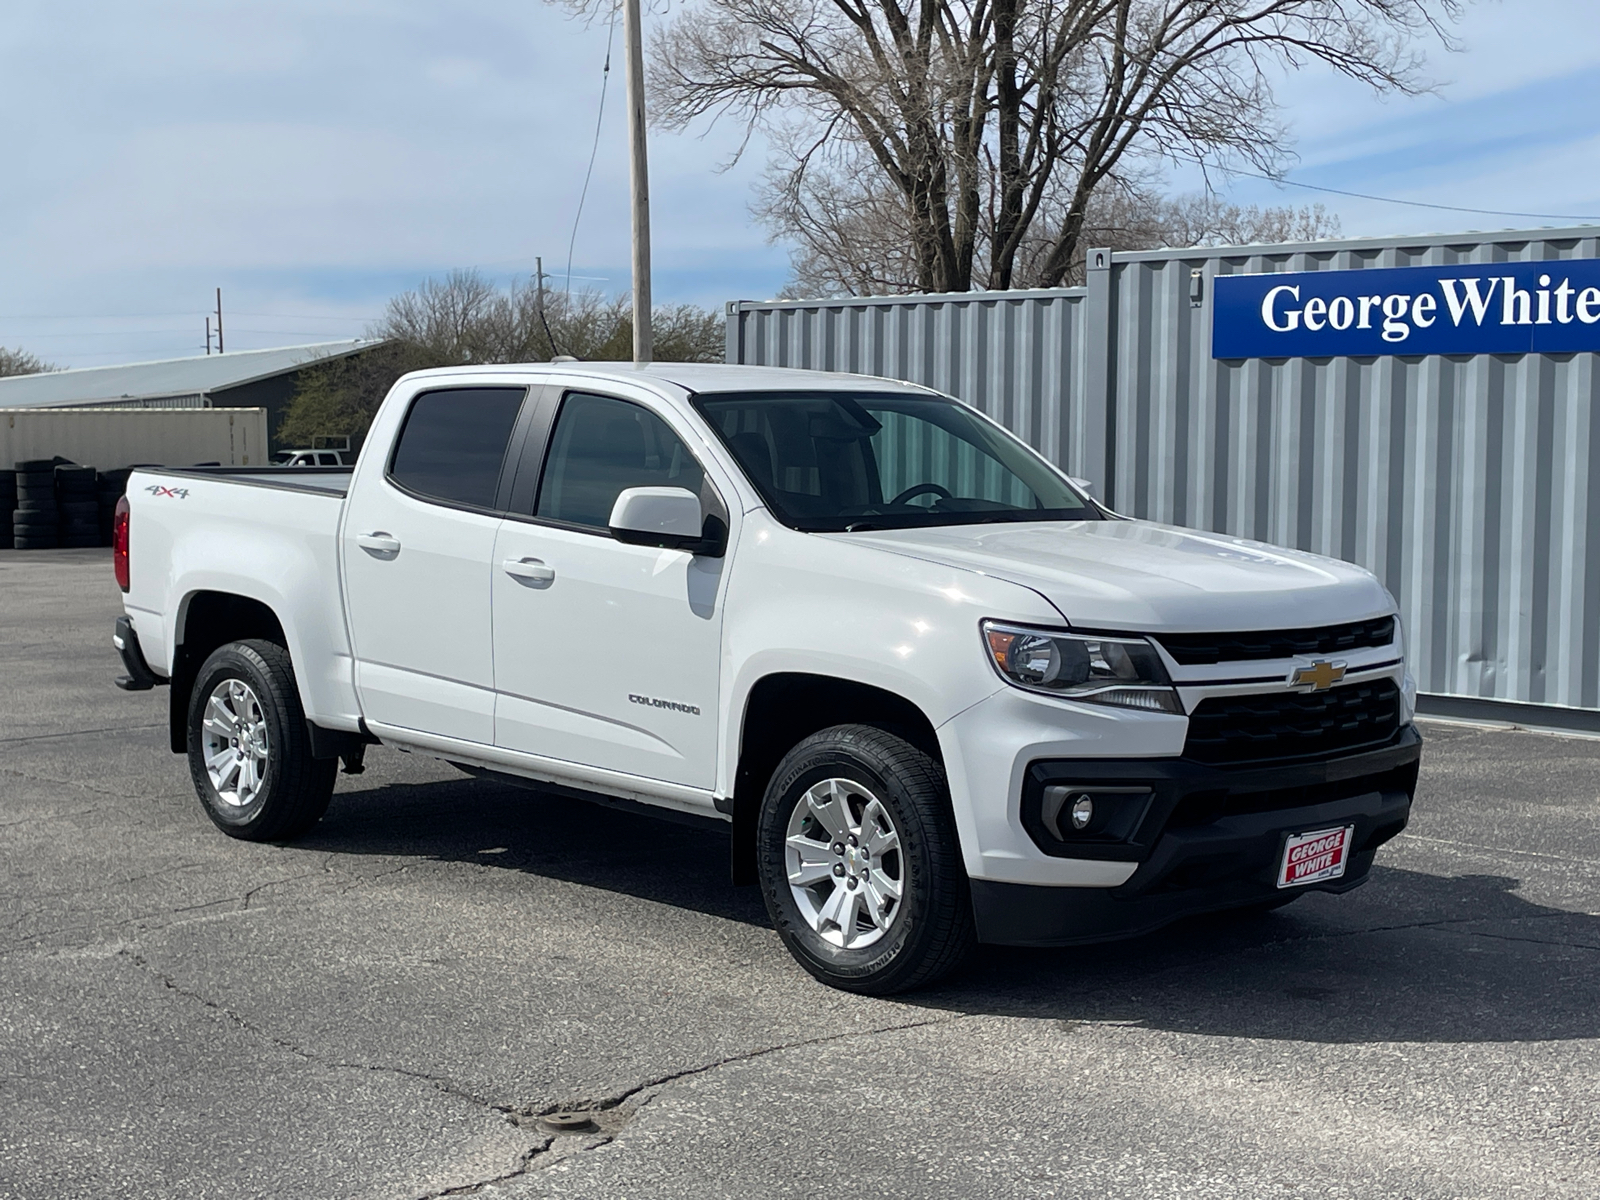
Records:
x=109, y=438
x=1469, y=483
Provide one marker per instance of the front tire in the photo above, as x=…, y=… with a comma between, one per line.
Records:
x=859, y=862
x=249, y=753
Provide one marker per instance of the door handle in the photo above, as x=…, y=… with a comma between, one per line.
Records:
x=378, y=543
x=530, y=570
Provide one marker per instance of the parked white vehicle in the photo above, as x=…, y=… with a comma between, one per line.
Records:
x=308, y=458
x=940, y=695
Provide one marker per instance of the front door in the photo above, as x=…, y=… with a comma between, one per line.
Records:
x=607, y=655
x=418, y=544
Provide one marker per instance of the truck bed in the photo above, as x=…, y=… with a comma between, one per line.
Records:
x=331, y=480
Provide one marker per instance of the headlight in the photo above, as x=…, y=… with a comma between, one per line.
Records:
x=1100, y=670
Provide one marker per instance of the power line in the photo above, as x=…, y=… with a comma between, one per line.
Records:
x=1486, y=212
x=605, y=78
x=168, y=316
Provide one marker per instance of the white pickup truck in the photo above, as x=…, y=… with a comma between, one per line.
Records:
x=938, y=693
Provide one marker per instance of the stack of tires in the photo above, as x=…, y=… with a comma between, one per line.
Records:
x=80, y=510
x=8, y=505
x=109, y=487
x=35, y=522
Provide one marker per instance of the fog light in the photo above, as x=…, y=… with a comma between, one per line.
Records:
x=1091, y=812
x=1082, y=812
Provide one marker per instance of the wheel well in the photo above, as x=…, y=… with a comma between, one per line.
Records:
x=782, y=710
x=212, y=619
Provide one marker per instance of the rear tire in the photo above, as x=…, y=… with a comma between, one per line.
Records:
x=249, y=753
x=859, y=862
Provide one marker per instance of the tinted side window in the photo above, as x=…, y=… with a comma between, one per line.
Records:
x=454, y=442
x=600, y=447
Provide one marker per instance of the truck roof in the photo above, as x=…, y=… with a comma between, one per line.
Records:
x=694, y=377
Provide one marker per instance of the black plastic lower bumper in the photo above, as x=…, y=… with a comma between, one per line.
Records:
x=1224, y=854
x=140, y=678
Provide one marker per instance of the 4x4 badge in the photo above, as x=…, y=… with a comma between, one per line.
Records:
x=1319, y=676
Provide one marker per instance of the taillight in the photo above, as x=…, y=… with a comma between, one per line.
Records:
x=119, y=543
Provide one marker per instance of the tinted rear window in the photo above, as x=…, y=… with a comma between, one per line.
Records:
x=454, y=442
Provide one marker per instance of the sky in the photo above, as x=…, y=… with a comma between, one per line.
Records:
x=314, y=157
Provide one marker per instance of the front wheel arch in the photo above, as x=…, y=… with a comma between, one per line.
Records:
x=783, y=709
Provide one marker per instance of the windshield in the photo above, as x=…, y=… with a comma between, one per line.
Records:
x=835, y=461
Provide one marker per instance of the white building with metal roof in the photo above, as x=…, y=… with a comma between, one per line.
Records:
x=242, y=379
x=263, y=379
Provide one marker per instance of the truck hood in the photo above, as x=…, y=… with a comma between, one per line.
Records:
x=1140, y=576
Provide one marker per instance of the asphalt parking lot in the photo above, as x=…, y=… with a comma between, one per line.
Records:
x=385, y=1008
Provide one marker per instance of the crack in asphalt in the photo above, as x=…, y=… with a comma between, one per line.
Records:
x=1499, y=851
x=1507, y=937
x=749, y=1055
x=40, y=737
x=243, y=901
x=86, y=787
x=114, y=883
x=530, y=1157
x=443, y=1084
x=525, y=1162
x=34, y=820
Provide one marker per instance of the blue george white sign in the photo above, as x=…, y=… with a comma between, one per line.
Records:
x=1550, y=307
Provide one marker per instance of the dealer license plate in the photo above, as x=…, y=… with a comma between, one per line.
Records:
x=1312, y=857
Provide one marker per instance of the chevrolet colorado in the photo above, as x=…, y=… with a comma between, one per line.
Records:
x=939, y=694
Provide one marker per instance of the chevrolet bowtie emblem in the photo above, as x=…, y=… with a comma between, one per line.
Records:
x=1319, y=676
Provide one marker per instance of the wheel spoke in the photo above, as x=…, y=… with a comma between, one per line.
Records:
x=217, y=711
x=832, y=812
x=851, y=909
x=809, y=862
x=832, y=910
x=878, y=900
x=877, y=831
x=215, y=762
x=886, y=884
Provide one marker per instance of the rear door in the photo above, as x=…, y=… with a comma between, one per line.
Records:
x=606, y=654
x=417, y=549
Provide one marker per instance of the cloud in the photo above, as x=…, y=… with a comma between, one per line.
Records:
x=315, y=156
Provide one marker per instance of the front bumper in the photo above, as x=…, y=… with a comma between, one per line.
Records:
x=1211, y=839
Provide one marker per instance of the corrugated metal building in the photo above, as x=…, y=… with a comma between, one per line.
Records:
x=1469, y=483
x=242, y=379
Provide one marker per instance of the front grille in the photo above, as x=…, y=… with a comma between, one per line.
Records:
x=1239, y=729
x=1204, y=649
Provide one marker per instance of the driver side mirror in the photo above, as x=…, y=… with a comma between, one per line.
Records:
x=668, y=518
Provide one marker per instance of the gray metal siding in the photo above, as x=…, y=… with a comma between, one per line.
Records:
x=1015, y=356
x=1469, y=484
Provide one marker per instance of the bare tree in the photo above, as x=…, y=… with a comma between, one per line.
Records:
x=20, y=362
x=849, y=240
x=464, y=318
x=987, y=128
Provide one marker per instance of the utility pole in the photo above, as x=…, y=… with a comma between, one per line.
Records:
x=219, y=321
x=208, y=337
x=639, y=175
